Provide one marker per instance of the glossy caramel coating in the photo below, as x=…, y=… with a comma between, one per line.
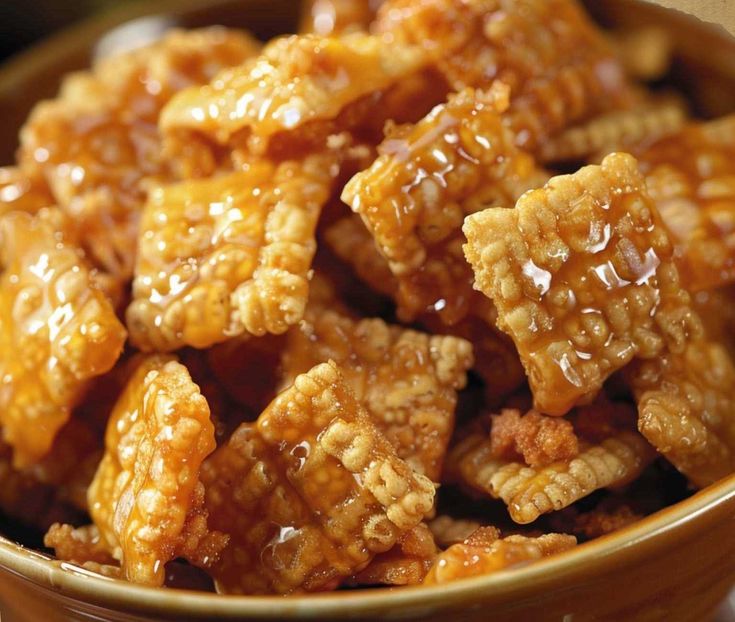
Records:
x=296, y=85
x=65, y=328
x=559, y=67
x=337, y=17
x=22, y=192
x=146, y=498
x=97, y=143
x=407, y=381
x=311, y=494
x=691, y=177
x=582, y=274
x=80, y=545
x=405, y=564
x=471, y=559
x=686, y=408
x=226, y=255
x=415, y=196
x=716, y=307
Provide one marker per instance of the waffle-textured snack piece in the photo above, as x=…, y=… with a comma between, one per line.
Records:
x=691, y=177
x=448, y=530
x=615, y=131
x=686, y=409
x=146, y=498
x=406, y=380
x=57, y=330
x=531, y=491
x=405, y=564
x=582, y=274
x=558, y=65
x=311, y=494
x=22, y=192
x=414, y=197
x=226, y=255
x=298, y=86
x=337, y=17
x=536, y=439
x=97, y=142
x=485, y=552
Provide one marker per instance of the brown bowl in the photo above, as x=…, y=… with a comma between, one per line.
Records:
x=675, y=565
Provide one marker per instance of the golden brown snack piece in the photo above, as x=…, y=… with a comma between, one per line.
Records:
x=57, y=330
x=602, y=520
x=538, y=440
x=531, y=491
x=615, y=131
x=686, y=403
x=558, y=65
x=407, y=381
x=691, y=177
x=226, y=255
x=448, y=530
x=312, y=494
x=479, y=556
x=414, y=197
x=646, y=52
x=78, y=545
x=405, y=564
x=97, y=142
x=19, y=191
x=582, y=274
x=337, y=17
x=297, y=86
x=716, y=307
x=146, y=498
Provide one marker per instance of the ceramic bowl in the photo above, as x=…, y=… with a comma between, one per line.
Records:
x=676, y=565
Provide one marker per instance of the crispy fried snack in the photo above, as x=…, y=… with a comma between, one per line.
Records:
x=97, y=143
x=645, y=52
x=407, y=381
x=582, y=275
x=691, y=177
x=21, y=192
x=298, y=86
x=79, y=545
x=535, y=439
x=336, y=17
x=146, y=498
x=312, y=494
x=448, y=530
x=558, y=65
x=686, y=408
x=615, y=131
x=415, y=196
x=716, y=307
x=227, y=255
x=483, y=554
x=57, y=330
x=405, y=564
x=531, y=491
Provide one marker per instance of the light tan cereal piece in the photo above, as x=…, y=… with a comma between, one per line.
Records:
x=226, y=255
x=582, y=275
x=78, y=545
x=146, y=498
x=57, y=330
x=559, y=67
x=615, y=131
x=296, y=85
x=691, y=178
x=414, y=197
x=538, y=440
x=405, y=564
x=407, y=381
x=645, y=52
x=686, y=406
x=337, y=17
x=529, y=492
x=22, y=192
x=97, y=142
x=470, y=559
x=312, y=494
x=448, y=530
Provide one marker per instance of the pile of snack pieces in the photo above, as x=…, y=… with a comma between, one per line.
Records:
x=244, y=287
